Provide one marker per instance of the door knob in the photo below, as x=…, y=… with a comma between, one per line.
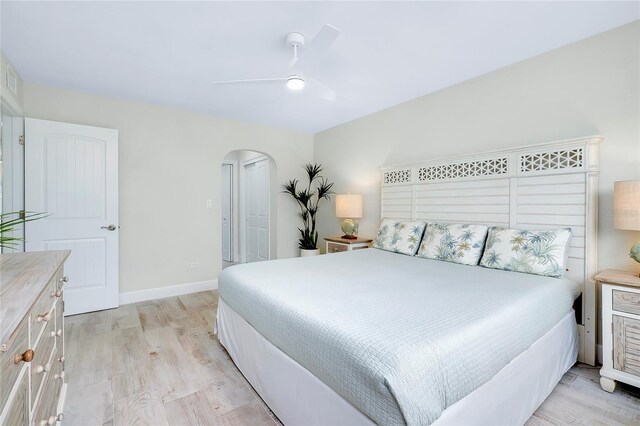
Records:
x=111, y=227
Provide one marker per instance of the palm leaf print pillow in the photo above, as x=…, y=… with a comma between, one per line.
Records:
x=458, y=243
x=399, y=236
x=531, y=252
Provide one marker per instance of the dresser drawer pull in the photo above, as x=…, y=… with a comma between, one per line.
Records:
x=56, y=333
x=44, y=317
x=61, y=359
x=42, y=368
x=27, y=356
x=56, y=293
x=64, y=279
x=59, y=376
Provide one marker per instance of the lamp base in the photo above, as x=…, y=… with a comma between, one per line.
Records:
x=634, y=253
x=350, y=229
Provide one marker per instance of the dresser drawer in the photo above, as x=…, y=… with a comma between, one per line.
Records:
x=9, y=369
x=626, y=345
x=46, y=412
x=59, y=315
x=41, y=313
x=336, y=248
x=626, y=301
x=42, y=363
x=18, y=411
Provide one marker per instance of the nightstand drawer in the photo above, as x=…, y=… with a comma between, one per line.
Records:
x=626, y=345
x=625, y=301
x=335, y=248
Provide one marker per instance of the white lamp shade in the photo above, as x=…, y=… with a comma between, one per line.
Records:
x=626, y=205
x=349, y=206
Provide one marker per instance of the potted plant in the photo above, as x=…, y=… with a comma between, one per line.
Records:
x=10, y=221
x=308, y=200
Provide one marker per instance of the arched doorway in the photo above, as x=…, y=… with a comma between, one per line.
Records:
x=249, y=188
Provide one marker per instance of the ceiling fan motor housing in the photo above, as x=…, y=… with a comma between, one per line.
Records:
x=295, y=40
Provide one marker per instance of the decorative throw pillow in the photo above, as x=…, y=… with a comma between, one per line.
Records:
x=459, y=243
x=399, y=236
x=532, y=252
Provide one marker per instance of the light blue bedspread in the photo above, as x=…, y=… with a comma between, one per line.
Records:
x=399, y=337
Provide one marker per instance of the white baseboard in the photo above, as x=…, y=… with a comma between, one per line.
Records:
x=168, y=291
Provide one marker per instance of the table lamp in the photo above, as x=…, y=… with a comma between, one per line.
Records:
x=349, y=207
x=626, y=208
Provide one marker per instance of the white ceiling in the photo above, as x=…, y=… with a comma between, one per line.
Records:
x=389, y=52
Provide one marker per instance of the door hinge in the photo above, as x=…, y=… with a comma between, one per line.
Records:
x=22, y=214
x=21, y=139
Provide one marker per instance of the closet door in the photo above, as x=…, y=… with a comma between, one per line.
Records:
x=257, y=210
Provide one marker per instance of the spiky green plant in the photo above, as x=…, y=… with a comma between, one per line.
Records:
x=10, y=221
x=308, y=200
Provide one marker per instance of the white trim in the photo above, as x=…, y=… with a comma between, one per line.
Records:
x=168, y=291
x=235, y=219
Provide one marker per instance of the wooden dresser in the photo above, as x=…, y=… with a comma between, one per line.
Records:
x=32, y=385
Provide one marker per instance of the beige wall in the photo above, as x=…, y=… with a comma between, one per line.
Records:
x=590, y=87
x=169, y=165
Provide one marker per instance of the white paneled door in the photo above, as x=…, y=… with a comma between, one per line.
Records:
x=71, y=173
x=227, y=218
x=257, y=183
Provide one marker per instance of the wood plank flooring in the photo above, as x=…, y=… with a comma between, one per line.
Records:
x=159, y=363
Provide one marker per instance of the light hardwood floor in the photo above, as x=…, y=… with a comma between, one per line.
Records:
x=158, y=362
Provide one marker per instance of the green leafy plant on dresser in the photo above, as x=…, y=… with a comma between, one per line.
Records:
x=10, y=222
x=308, y=199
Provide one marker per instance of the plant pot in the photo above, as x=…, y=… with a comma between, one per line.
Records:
x=305, y=252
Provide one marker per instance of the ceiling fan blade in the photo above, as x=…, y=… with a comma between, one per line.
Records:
x=318, y=47
x=252, y=81
x=325, y=38
x=323, y=91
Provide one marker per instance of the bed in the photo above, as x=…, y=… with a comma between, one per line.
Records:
x=372, y=336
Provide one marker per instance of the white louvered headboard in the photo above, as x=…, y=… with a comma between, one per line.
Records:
x=545, y=186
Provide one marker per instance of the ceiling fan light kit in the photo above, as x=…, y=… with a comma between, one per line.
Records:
x=318, y=47
x=295, y=83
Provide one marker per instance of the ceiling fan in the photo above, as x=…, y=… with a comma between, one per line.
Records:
x=311, y=56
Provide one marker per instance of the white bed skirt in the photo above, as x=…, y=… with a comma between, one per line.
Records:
x=298, y=397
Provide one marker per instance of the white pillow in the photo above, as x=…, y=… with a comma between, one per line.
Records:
x=399, y=236
x=532, y=252
x=458, y=243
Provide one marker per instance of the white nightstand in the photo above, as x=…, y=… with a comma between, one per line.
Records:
x=338, y=244
x=620, y=328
